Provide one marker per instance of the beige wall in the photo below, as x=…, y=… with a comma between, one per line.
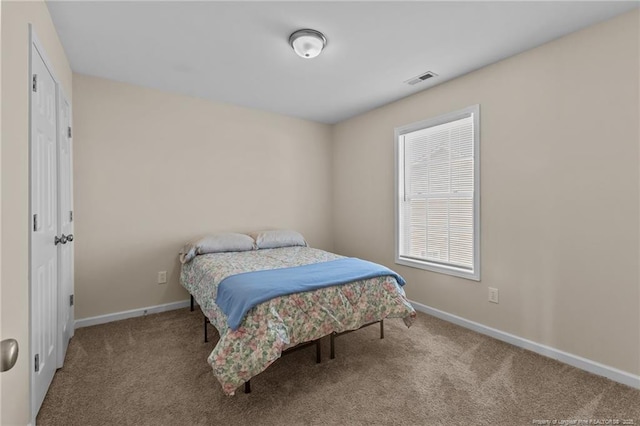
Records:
x=15, y=185
x=153, y=170
x=559, y=193
x=2, y=336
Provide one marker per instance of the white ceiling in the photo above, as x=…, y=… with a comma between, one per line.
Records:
x=238, y=52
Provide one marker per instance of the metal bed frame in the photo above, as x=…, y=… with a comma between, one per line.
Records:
x=332, y=337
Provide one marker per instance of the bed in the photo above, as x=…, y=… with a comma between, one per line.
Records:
x=283, y=322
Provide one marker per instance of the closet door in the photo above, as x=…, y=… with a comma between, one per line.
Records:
x=44, y=226
x=65, y=229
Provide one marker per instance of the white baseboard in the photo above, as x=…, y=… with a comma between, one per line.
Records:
x=594, y=367
x=567, y=358
x=117, y=316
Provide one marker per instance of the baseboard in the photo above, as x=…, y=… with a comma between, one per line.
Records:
x=567, y=358
x=117, y=316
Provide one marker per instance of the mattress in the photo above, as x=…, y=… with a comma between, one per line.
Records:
x=280, y=323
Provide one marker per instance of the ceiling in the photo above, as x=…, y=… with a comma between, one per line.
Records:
x=238, y=52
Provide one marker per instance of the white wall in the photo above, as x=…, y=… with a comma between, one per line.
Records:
x=14, y=405
x=559, y=149
x=154, y=169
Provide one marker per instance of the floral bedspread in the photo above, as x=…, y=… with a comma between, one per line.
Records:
x=285, y=321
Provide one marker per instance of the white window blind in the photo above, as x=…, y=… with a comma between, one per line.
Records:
x=437, y=203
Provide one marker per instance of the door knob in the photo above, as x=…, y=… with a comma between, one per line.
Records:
x=69, y=237
x=60, y=240
x=8, y=353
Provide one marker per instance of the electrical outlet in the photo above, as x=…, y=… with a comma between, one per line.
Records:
x=493, y=295
x=162, y=277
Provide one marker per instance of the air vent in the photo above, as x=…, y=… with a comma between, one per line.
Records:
x=427, y=75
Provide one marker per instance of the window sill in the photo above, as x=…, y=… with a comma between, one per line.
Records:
x=441, y=269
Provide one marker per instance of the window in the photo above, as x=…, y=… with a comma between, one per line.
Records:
x=437, y=194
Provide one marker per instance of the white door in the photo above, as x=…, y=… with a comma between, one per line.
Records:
x=44, y=225
x=65, y=228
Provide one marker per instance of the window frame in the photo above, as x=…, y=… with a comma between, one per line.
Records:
x=474, y=111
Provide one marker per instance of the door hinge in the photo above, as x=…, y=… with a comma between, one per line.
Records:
x=37, y=362
x=35, y=83
x=69, y=132
x=35, y=222
x=71, y=300
x=70, y=215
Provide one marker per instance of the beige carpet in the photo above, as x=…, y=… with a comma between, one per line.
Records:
x=152, y=371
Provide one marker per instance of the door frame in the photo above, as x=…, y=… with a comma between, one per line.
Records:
x=34, y=43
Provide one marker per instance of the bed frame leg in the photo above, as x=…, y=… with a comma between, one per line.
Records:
x=206, y=338
x=318, y=352
x=191, y=303
x=382, y=329
x=332, y=338
x=247, y=386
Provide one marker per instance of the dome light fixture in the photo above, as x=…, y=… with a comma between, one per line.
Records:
x=307, y=43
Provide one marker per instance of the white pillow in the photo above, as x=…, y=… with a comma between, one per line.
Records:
x=216, y=243
x=278, y=238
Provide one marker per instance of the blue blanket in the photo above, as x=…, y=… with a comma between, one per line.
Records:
x=237, y=294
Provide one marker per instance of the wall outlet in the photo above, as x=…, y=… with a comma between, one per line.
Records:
x=493, y=295
x=162, y=277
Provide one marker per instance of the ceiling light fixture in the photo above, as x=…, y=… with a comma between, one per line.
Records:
x=307, y=43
